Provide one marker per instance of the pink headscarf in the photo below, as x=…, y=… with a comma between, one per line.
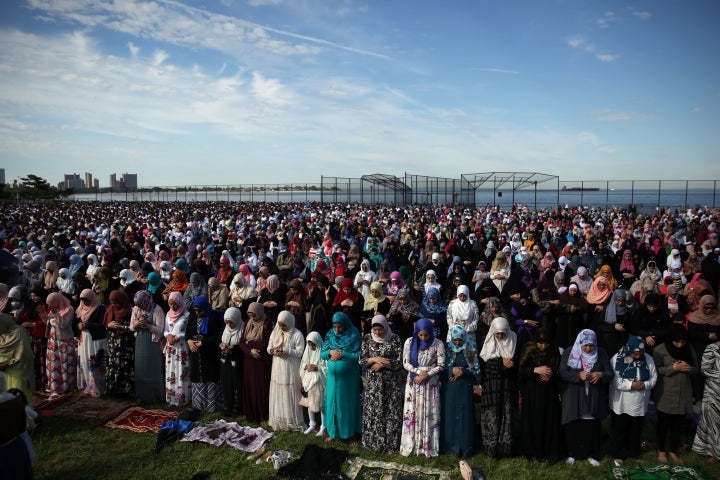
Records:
x=627, y=264
x=245, y=270
x=177, y=298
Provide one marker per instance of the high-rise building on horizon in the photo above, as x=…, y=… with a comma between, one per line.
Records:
x=2, y=176
x=88, y=180
x=130, y=180
x=113, y=181
x=73, y=181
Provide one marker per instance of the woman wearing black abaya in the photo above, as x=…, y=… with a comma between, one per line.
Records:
x=539, y=389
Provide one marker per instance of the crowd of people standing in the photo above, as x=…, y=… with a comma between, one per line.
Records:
x=397, y=326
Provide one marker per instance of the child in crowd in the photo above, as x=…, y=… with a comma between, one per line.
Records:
x=312, y=373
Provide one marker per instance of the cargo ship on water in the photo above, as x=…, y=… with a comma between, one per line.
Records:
x=580, y=189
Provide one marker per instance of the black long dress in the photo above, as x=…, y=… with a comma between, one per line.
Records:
x=205, y=362
x=540, y=411
x=231, y=373
x=499, y=405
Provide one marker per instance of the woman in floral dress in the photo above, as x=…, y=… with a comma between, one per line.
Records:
x=177, y=357
x=120, y=379
x=61, y=355
x=424, y=359
x=381, y=359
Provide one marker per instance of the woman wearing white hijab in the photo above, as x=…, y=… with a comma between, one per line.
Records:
x=93, y=265
x=364, y=278
x=463, y=311
x=286, y=345
x=65, y=283
x=430, y=282
x=499, y=401
x=231, y=359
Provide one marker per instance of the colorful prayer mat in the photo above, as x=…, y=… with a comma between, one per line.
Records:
x=244, y=439
x=140, y=420
x=362, y=469
x=88, y=408
x=656, y=472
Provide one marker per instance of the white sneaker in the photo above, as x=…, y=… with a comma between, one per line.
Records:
x=321, y=432
x=593, y=462
x=309, y=429
x=570, y=461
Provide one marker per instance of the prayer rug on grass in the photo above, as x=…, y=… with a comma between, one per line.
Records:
x=140, y=420
x=44, y=400
x=244, y=439
x=656, y=472
x=88, y=408
x=362, y=469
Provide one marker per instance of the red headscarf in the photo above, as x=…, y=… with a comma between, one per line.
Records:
x=341, y=296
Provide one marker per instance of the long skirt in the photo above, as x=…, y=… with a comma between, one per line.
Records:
x=207, y=396
x=177, y=374
x=231, y=387
x=121, y=363
x=149, y=384
x=39, y=346
x=91, y=364
x=61, y=364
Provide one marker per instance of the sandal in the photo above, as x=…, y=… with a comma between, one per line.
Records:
x=280, y=458
x=256, y=454
x=263, y=458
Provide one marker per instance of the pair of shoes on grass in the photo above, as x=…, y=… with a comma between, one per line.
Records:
x=591, y=461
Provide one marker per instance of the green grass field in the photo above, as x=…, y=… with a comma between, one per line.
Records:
x=71, y=449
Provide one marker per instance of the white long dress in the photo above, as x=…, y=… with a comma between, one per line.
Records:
x=285, y=385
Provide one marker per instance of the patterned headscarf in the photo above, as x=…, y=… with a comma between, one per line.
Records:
x=628, y=367
x=578, y=359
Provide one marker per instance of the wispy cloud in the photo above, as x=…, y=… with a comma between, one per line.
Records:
x=579, y=42
x=263, y=3
x=606, y=57
x=641, y=14
x=498, y=70
x=576, y=42
x=606, y=20
x=178, y=24
x=607, y=115
x=695, y=110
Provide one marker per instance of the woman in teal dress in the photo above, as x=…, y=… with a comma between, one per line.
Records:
x=462, y=373
x=341, y=350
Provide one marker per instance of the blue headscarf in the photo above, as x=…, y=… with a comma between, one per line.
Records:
x=433, y=310
x=154, y=282
x=76, y=262
x=458, y=331
x=182, y=264
x=627, y=366
x=416, y=344
x=202, y=302
x=613, y=309
x=347, y=341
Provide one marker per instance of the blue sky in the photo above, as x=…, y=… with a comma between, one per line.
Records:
x=281, y=91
